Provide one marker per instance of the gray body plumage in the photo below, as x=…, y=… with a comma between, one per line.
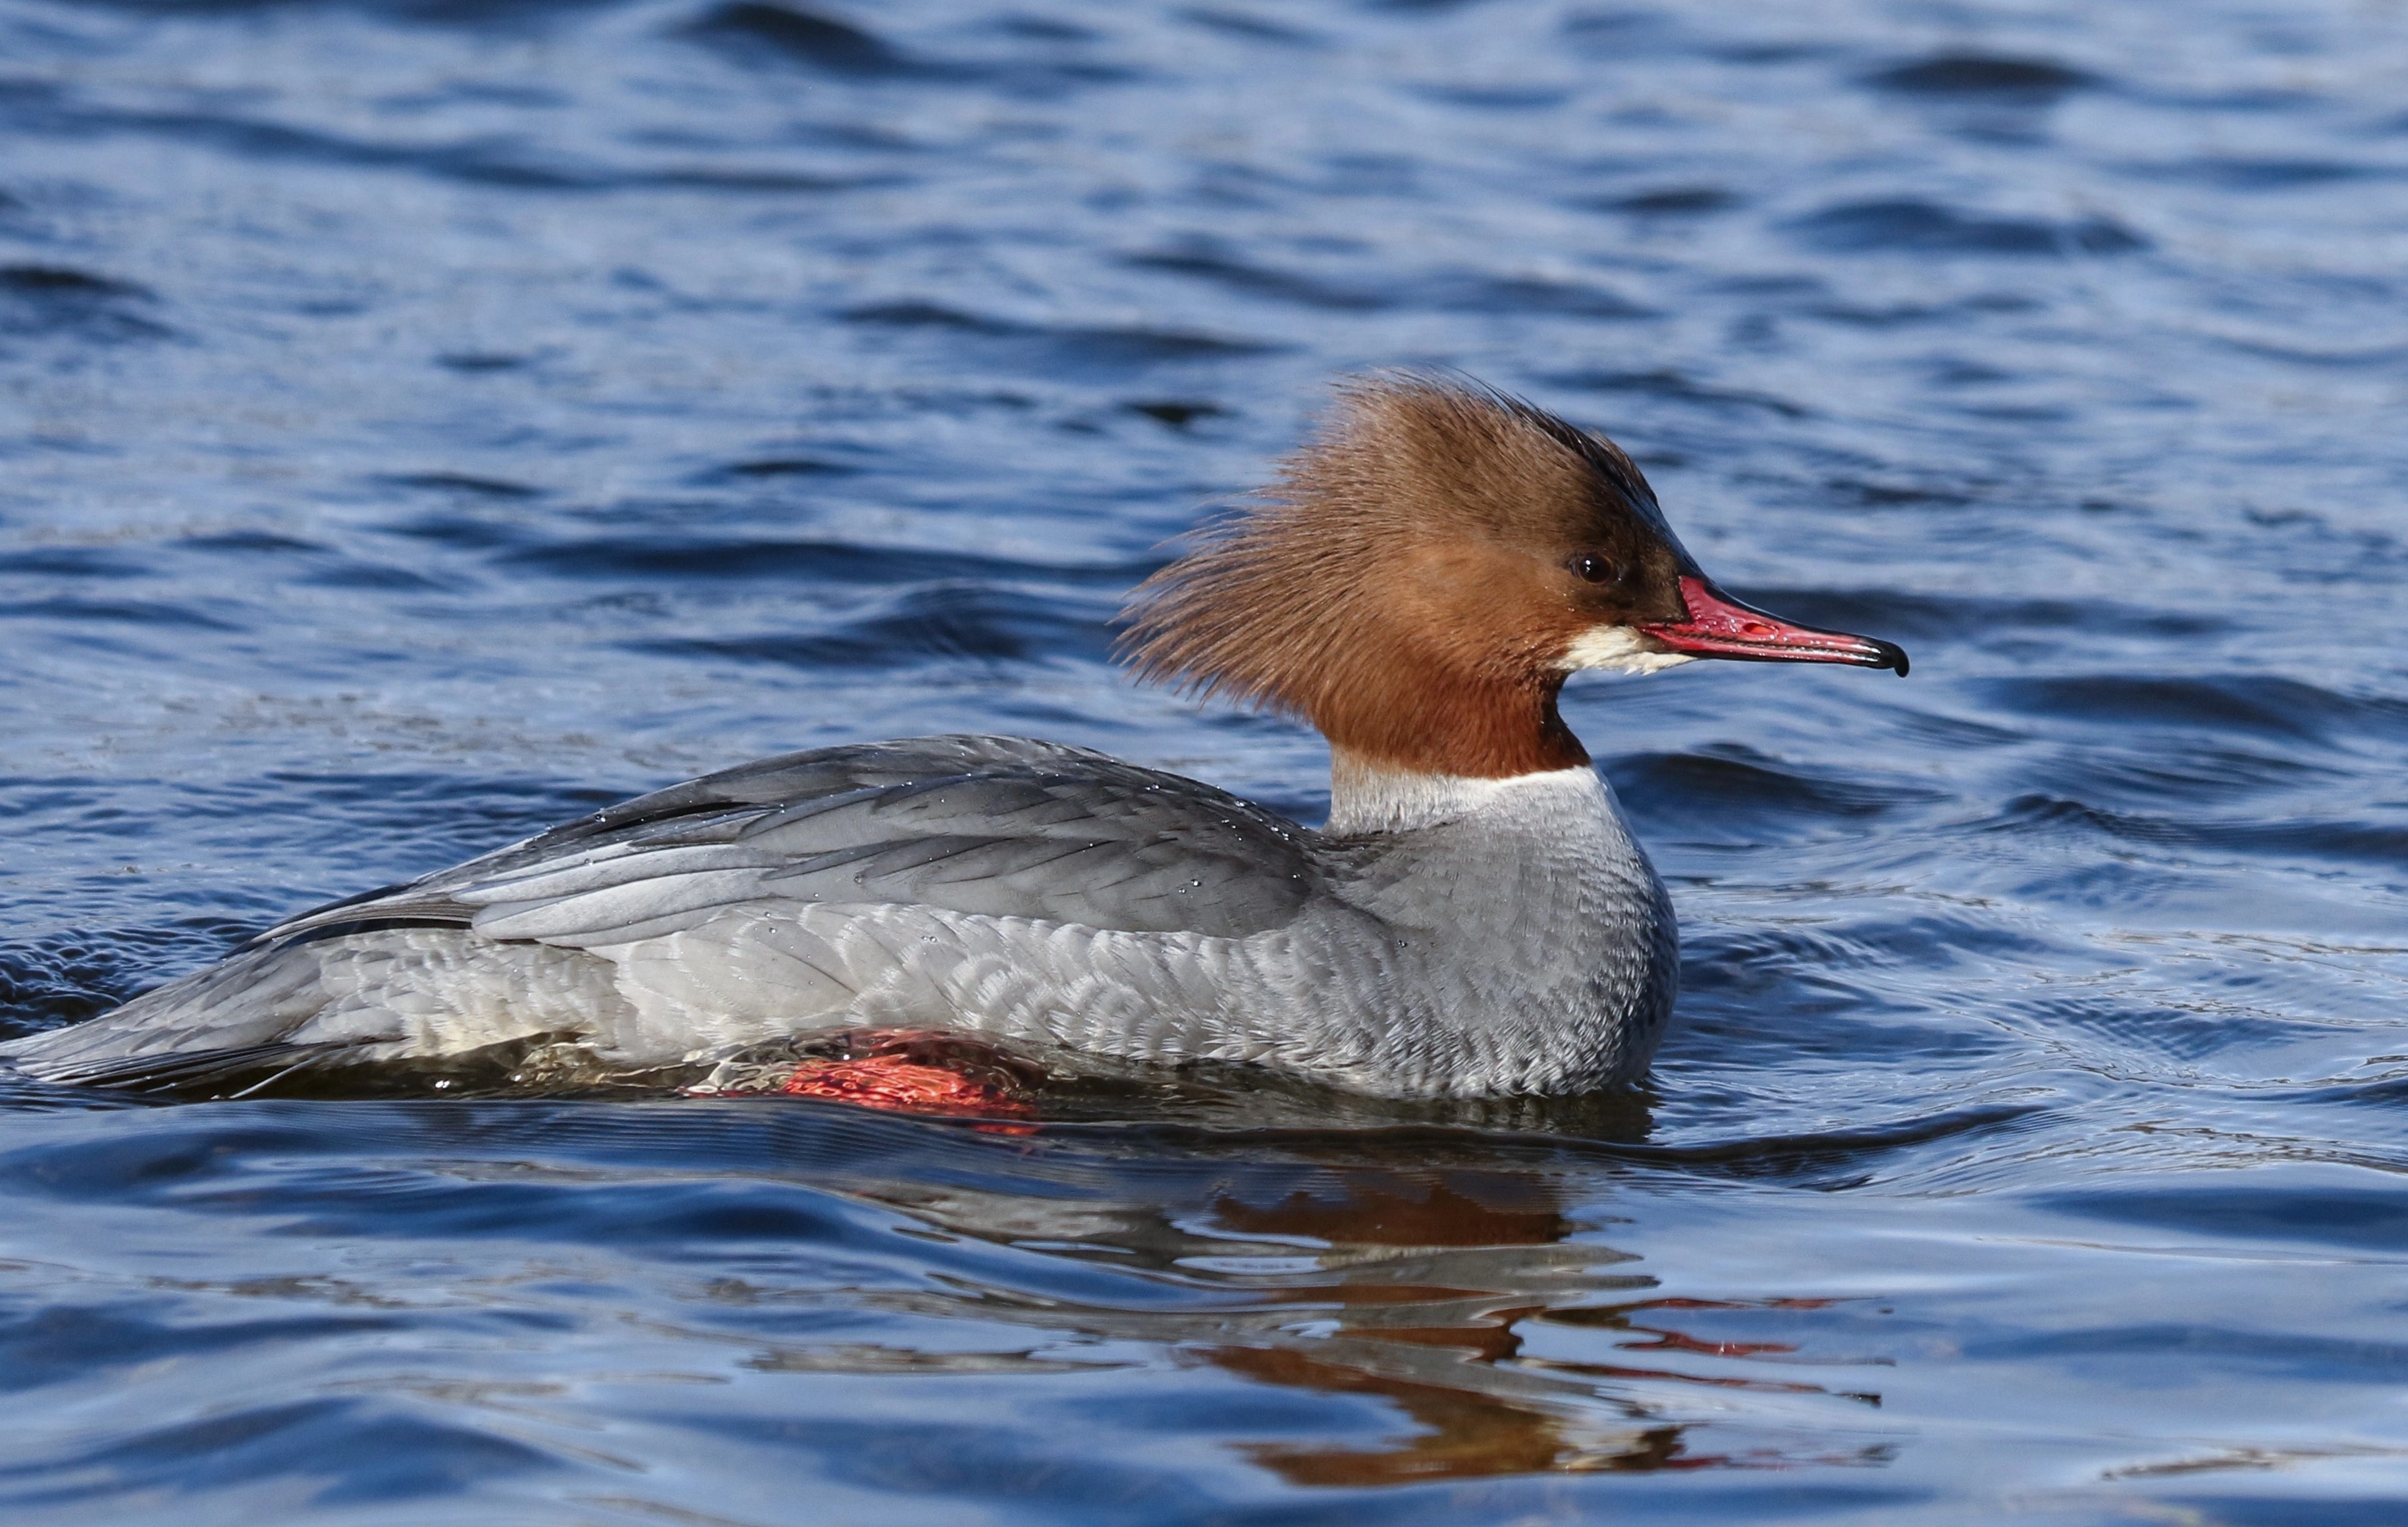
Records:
x=1440, y=937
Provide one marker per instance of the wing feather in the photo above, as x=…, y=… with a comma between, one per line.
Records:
x=994, y=826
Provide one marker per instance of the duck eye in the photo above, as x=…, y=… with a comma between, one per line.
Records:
x=1593, y=568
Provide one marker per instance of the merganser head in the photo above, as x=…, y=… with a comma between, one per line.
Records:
x=1428, y=571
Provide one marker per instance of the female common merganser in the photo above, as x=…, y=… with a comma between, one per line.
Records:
x=1474, y=918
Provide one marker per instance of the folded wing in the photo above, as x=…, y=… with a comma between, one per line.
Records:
x=989, y=827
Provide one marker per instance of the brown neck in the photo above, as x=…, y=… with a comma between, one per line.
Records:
x=1486, y=729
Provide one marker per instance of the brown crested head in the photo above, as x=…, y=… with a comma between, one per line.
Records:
x=1426, y=571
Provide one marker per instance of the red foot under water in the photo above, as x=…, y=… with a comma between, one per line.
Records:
x=919, y=1071
x=892, y=1081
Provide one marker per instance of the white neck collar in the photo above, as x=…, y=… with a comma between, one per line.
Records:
x=1369, y=797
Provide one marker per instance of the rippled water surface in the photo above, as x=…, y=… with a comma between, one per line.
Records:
x=426, y=420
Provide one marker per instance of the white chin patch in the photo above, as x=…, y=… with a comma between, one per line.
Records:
x=1620, y=648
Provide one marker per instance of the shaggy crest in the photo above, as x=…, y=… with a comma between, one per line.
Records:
x=1402, y=585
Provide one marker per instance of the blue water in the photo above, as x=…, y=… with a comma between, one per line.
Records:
x=423, y=421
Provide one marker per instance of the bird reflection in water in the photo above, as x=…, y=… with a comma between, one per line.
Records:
x=1462, y=1296
x=1441, y=1260
x=1413, y=1326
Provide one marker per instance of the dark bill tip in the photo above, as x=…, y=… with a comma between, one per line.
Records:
x=1719, y=626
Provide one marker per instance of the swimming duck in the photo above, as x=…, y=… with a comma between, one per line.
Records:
x=1474, y=918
